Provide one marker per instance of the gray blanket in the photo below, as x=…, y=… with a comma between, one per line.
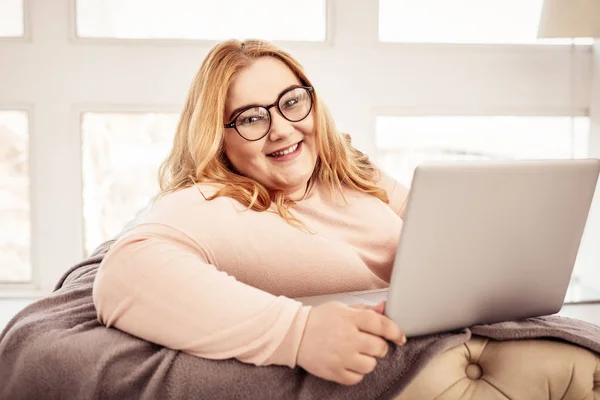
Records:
x=56, y=349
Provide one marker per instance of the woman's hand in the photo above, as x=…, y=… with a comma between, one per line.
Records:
x=342, y=343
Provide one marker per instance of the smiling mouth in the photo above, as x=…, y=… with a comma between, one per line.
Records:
x=285, y=152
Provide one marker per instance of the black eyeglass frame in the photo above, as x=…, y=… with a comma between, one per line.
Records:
x=233, y=124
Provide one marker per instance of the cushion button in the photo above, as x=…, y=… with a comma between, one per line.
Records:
x=473, y=371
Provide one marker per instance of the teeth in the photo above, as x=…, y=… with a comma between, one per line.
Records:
x=289, y=150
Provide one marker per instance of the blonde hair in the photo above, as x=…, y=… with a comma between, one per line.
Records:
x=198, y=154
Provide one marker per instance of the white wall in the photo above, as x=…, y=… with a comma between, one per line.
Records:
x=56, y=76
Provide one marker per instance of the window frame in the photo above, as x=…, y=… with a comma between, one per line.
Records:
x=584, y=42
x=24, y=288
x=112, y=109
x=398, y=82
x=75, y=39
x=580, y=268
x=26, y=37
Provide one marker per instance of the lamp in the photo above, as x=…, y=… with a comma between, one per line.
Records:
x=570, y=19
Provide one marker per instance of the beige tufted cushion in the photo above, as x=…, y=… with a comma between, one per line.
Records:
x=524, y=370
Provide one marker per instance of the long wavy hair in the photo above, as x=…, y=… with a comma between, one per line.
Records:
x=198, y=153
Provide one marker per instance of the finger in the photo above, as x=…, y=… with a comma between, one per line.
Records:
x=348, y=377
x=360, y=306
x=379, y=308
x=379, y=325
x=361, y=364
x=372, y=345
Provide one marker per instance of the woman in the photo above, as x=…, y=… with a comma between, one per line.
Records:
x=262, y=201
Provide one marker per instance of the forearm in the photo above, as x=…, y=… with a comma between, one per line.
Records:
x=162, y=289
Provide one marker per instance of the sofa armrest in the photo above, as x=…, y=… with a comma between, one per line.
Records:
x=514, y=369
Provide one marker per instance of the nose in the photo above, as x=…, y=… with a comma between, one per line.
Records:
x=280, y=127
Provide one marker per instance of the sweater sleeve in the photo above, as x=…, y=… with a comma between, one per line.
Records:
x=157, y=283
x=397, y=192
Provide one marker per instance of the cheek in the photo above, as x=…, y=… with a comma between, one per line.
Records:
x=306, y=126
x=241, y=153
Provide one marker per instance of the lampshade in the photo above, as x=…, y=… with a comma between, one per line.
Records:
x=570, y=19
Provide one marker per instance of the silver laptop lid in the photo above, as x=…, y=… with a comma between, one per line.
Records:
x=488, y=241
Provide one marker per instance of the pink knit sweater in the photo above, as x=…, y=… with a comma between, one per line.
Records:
x=218, y=281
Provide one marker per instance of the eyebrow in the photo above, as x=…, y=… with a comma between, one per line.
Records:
x=242, y=108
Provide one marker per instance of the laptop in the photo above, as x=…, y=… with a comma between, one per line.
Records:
x=484, y=242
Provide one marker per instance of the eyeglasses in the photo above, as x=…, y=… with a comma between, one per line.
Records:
x=254, y=122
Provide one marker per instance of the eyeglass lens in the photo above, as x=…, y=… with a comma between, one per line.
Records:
x=255, y=122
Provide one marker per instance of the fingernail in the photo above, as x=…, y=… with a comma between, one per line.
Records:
x=403, y=340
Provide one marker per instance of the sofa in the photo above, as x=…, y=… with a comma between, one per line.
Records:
x=56, y=349
x=520, y=369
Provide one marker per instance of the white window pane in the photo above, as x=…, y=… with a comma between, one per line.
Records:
x=404, y=142
x=463, y=21
x=15, y=227
x=11, y=18
x=202, y=19
x=121, y=156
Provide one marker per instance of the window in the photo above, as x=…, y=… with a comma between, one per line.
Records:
x=463, y=21
x=121, y=156
x=202, y=19
x=11, y=18
x=15, y=227
x=404, y=142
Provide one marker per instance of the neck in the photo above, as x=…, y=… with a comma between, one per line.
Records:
x=299, y=193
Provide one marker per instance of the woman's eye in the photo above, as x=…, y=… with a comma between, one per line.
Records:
x=290, y=103
x=251, y=119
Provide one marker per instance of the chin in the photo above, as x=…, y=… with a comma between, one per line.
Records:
x=292, y=184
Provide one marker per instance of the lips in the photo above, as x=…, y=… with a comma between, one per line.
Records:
x=284, y=151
